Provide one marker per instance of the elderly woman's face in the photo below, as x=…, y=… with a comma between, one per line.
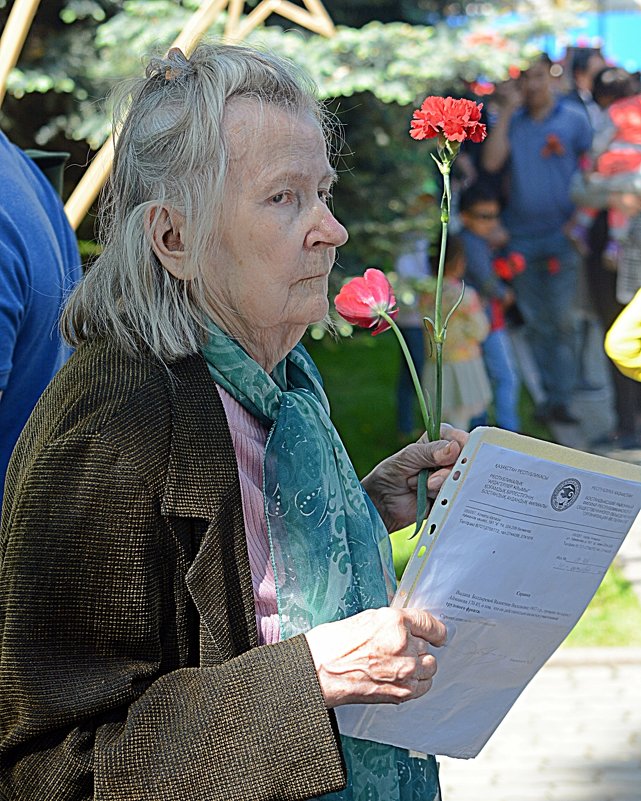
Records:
x=279, y=236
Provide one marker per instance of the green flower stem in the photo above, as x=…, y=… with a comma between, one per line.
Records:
x=421, y=492
x=410, y=364
x=439, y=331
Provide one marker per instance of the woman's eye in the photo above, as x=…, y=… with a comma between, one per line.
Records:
x=325, y=195
x=280, y=198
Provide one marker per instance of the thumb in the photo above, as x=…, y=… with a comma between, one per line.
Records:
x=434, y=454
x=427, y=627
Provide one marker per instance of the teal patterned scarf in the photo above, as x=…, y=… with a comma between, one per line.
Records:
x=330, y=550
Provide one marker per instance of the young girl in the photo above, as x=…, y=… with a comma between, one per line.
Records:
x=466, y=387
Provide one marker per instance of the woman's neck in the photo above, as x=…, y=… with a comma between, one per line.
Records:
x=266, y=346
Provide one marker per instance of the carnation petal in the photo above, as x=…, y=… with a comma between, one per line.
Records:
x=362, y=299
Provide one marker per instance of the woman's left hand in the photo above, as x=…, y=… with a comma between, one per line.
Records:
x=392, y=484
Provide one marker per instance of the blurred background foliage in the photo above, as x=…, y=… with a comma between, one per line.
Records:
x=385, y=57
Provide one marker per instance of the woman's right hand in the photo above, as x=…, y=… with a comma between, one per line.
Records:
x=377, y=656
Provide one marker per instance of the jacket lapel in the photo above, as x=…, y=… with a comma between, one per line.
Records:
x=202, y=483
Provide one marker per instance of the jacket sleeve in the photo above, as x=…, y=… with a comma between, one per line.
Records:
x=14, y=296
x=623, y=340
x=88, y=706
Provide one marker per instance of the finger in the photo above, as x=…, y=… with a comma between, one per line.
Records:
x=450, y=433
x=426, y=667
x=422, y=686
x=427, y=627
x=436, y=480
x=439, y=453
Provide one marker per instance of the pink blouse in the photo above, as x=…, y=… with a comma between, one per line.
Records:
x=249, y=438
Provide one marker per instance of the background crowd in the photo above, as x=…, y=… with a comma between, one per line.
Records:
x=548, y=219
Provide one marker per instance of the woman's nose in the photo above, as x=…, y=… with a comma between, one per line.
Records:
x=327, y=231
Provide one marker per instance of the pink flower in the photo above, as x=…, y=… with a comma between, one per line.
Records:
x=455, y=120
x=362, y=300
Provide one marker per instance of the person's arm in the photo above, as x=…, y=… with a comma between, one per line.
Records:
x=479, y=269
x=623, y=340
x=14, y=283
x=93, y=701
x=495, y=150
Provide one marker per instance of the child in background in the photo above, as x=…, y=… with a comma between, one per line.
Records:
x=482, y=235
x=466, y=387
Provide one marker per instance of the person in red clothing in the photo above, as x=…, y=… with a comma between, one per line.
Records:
x=615, y=162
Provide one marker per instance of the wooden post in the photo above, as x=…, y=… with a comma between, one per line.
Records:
x=314, y=17
x=234, y=12
x=13, y=37
x=96, y=174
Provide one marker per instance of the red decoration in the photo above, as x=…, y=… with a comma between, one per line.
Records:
x=553, y=146
x=614, y=162
x=362, y=299
x=455, y=119
x=506, y=267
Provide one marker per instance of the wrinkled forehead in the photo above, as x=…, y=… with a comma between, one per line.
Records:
x=255, y=130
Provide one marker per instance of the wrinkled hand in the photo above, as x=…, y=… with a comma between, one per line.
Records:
x=378, y=656
x=392, y=484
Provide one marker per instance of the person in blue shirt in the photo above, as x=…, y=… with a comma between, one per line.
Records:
x=540, y=138
x=479, y=213
x=39, y=263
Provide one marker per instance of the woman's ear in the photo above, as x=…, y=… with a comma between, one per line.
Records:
x=165, y=228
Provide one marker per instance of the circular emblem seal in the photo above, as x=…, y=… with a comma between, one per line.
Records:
x=565, y=494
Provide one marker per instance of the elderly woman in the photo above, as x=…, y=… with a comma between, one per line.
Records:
x=192, y=575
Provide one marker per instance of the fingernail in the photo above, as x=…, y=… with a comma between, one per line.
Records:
x=436, y=482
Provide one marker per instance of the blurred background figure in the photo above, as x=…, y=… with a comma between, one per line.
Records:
x=466, y=387
x=609, y=269
x=540, y=138
x=482, y=236
x=39, y=263
x=584, y=64
x=614, y=164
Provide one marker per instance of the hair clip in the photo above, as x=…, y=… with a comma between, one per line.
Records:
x=175, y=53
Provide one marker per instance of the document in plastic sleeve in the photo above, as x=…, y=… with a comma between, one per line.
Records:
x=515, y=547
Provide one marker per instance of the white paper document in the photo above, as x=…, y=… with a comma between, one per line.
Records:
x=515, y=547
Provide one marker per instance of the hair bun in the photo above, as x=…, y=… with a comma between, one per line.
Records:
x=175, y=65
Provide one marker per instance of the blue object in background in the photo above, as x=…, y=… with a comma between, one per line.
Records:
x=618, y=33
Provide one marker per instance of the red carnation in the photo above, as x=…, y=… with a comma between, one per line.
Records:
x=454, y=119
x=362, y=300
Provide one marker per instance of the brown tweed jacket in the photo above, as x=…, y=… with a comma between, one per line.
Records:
x=129, y=665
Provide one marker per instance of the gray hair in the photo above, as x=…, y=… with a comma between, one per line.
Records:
x=170, y=150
